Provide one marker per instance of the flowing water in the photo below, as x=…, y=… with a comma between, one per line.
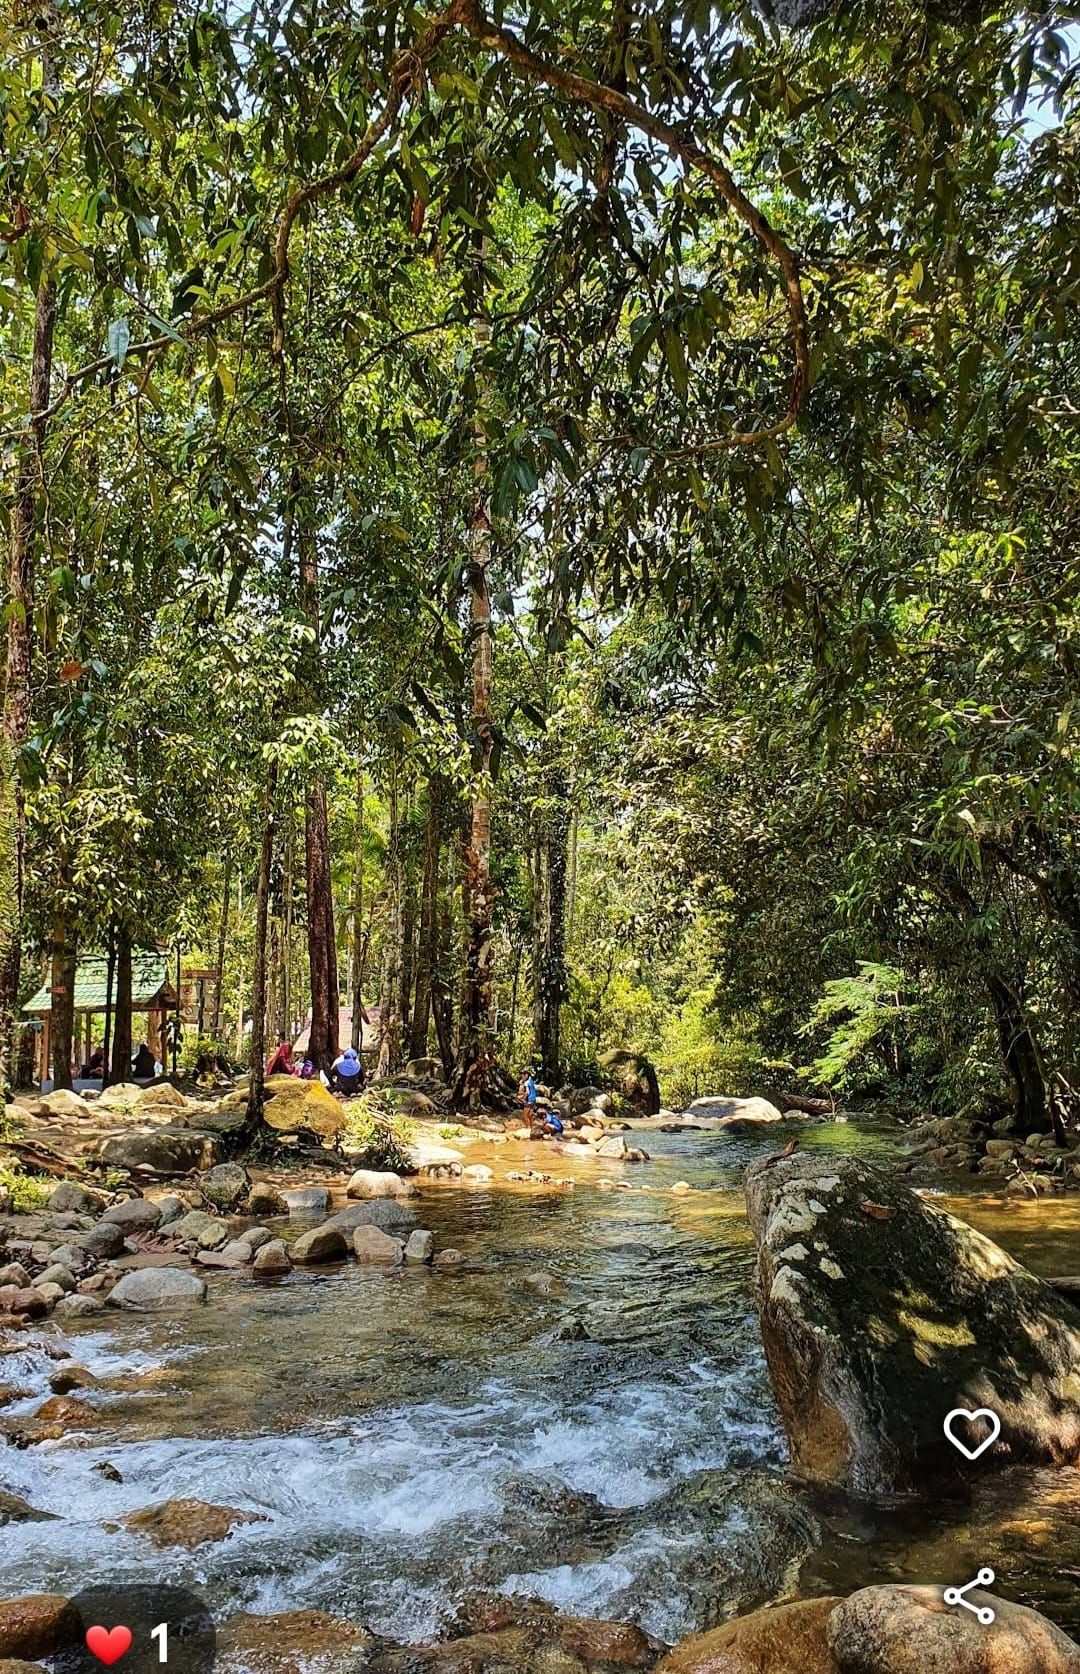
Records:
x=408, y=1438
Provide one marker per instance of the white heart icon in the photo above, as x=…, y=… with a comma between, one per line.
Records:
x=972, y=1417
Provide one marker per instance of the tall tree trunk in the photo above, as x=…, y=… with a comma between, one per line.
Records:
x=64, y=961
x=322, y=939
x=551, y=963
x=239, y=1039
x=223, y=936
x=429, y=907
x=257, y=1060
x=442, y=994
x=390, y=1020
x=356, y=946
x=120, y=1069
x=322, y=930
x=19, y=611
x=474, y=1073
x=287, y=928
x=408, y=930
x=1033, y=1109
x=276, y=976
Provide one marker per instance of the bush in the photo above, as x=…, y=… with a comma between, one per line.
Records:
x=28, y=1191
x=196, y=1046
x=378, y=1139
x=699, y=1053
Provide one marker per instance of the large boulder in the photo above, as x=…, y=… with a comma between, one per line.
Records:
x=880, y=1315
x=264, y=1199
x=419, y=1247
x=575, y=1101
x=273, y=1258
x=225, y=1185
x=788, y=1640
x=523, y=1636
x=634, y=1079
x=165, y=1150
x=730, y=1113
x=290, y=1641
x=102, y=1242
x=880, y=1630
x=197, y=1227
x=122, y=1096
x=426, y=1155
x=306, y=1200
x=322, y=1243
x=371, y=1182
x=188, y=1522
x=424, y=1069
x=146, y=1288
x=614, y=1145
x=63, y=1102
x=292, y=1103
x=37, y=1625
x=220, y=1120
x=69, y=1198
x=161, y=1095
x=375, y=1247
x=388, y=1213
x=910, y=1630
x=134, y=1214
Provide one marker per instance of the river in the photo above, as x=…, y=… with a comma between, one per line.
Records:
x=611, y=1447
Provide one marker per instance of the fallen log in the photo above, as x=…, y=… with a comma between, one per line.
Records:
x=808, y=1106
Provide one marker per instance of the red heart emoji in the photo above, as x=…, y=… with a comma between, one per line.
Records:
x=108, y=1644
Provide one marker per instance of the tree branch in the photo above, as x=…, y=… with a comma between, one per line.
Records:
x=405, y=72
x=612, y=102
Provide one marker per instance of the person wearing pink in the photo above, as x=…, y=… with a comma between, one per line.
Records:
x=280, y=1061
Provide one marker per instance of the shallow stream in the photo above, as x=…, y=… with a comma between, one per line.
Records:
x=408, y=1438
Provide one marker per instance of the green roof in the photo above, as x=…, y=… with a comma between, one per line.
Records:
x=149, y=975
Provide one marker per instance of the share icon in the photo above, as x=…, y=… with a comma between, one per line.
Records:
x=955, y=1595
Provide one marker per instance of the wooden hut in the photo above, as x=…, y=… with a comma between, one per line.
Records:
x=369, y=1031
x=151, y=994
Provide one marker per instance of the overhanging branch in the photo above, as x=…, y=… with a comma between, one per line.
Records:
x=405, y=73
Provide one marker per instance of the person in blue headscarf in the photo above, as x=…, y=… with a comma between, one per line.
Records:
x=348, y=1072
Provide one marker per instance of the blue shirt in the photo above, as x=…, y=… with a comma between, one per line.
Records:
x=530, y=1090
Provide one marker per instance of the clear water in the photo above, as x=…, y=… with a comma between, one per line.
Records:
x=409, y=1438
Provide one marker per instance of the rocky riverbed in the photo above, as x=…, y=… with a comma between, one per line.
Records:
x=576, y=1409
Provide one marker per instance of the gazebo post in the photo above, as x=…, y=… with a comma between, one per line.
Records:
x=162, y=1039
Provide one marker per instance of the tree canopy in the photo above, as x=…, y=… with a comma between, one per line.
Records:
x=557, y=521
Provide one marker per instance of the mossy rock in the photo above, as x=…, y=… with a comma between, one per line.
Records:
x=880, y=1315
x=161, y=1095
x=292, y=1103
x=633, y=1078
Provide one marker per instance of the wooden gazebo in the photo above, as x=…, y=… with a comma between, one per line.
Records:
x=151, y=992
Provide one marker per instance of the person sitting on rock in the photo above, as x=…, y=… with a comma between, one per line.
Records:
x=280, y=1061
x=348, y=1072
